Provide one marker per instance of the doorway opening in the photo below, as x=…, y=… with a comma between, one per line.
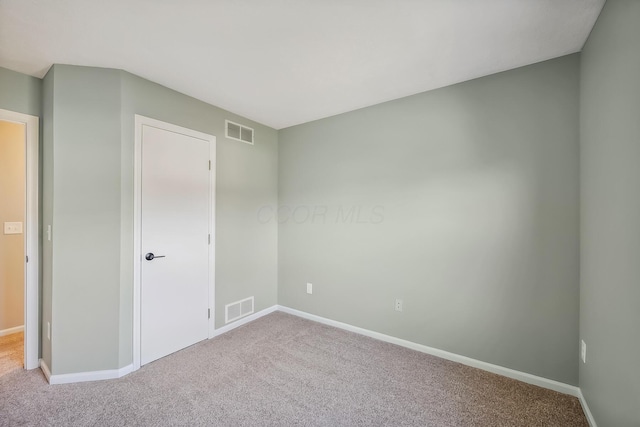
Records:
x=12, y=217
x=19, y=331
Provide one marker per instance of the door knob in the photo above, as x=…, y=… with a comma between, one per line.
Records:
x=150, y=256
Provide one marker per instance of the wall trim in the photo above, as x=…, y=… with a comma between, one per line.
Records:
x=485, y=366
x=84, y=376
x=586, y=410
x=45, y=370
x=10, y=331
x=244, y=321
x=496, y=369
x=110, y=374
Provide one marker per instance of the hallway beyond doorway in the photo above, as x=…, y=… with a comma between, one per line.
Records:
x=11, y=352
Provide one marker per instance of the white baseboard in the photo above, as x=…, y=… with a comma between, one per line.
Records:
x=243, y=321
x=45, y=370
x=500, y=370
x=10, y=331
x=80, y=377
x=496, y=369
x=586, y=410
x=110, y=374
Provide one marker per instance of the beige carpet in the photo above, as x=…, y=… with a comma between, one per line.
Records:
x=11, y=352
x=285, y=371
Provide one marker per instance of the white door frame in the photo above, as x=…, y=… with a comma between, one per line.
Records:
x=31, y=233
x=137, y=224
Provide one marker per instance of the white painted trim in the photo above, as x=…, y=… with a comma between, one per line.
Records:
x=45, y=370
x=31, y=233
x=245, y=320
x=212, y=233
x=510, y=373
x=586, y=410
x=81, y=377
x=500, y=370
x=137, y=253
x=10, y=331
x=137, y=226
x=32, y=306
x=118, y=373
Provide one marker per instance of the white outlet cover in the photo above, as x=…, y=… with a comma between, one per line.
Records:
x=12, y=228
x=309, y=288
x=583, y=351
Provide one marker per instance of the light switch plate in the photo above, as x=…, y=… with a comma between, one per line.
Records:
x=12, y=228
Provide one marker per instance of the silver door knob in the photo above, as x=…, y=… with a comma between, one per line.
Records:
x=150, y=256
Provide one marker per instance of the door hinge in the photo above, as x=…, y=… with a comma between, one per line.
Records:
x=209, y=164
x=208, y=313
x=209, y=239
x=27, y=258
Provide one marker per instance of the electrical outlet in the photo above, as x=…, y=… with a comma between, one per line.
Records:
x=583, y=351
x=398, y=304
x=309, y=288
x=49, y=330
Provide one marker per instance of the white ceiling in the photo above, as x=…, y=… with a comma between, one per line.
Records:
x=285, y=62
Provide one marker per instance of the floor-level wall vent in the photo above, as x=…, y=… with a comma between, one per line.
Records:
x=238, y=309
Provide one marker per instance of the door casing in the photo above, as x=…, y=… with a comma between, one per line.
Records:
x=141, y=121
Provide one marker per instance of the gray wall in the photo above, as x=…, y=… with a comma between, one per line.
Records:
x=89, y=149
x=46, y=206
x=464, y=203
x=20, y=93
x=610, y=213
x=86, y=219
x=246, y=178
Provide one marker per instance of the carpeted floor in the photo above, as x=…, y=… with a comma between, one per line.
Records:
x=11, y=352
x=282, y=370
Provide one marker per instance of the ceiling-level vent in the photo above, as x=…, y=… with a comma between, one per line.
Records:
x=238, y=309
x=239, y=132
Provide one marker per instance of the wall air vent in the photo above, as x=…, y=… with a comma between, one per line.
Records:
x=238, y=309
x=239, y=132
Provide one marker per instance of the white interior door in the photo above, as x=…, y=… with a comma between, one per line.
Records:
x=175, y=212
